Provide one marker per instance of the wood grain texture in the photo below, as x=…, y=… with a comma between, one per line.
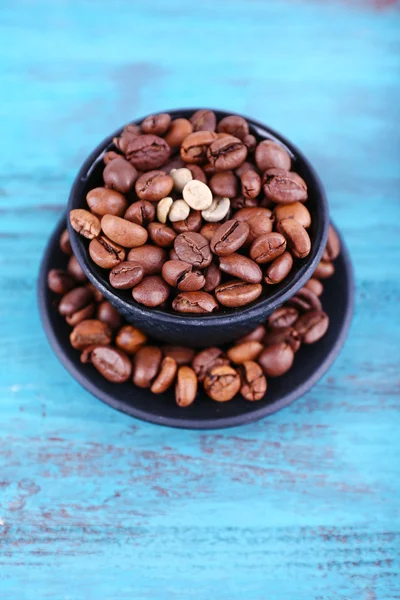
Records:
x=304, y=505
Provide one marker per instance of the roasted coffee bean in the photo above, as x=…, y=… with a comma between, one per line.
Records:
x=173, y=163
x=284, y=316
x=279, y=269
x=194, y=147
x=294, y=210
x=161, y=234
x=156, y=124
x=260, y=220
x=206, y=359
x=151, y=291
x=197, y=195
x=123, y=232
x=130, y=133
x=297, y=237
x=181, y=274
x=244, y=351
x=241, y=267
x=246, y=166
x=173, y=255
x=222, y=383
x=194, y=302
x=283, y=334
x=65, y=244
x=130, y=339
x=250, y=141
x=120, y=175
x=217, y=211
x=106, y=253
x=75, y=300
x=242, y=202
x=314, y=286
x=236, y=293
x=193, y=248
x=87, y=312
x=59, y=281
x=254, y=383
x=177, y=132
x=153, y=185
x=150, y=258
x=179, y=211
x=277, y=359
x=254, y=336
x=267, y=247
x=192, y=223
x=180, y=177
x=224, y=184
x=197, y=173
x=181, y=354
x=85, y=223
x=251, y=184
x=146, y=365
x=227, y=153
x=108, y=314
x=212, y=277
x=90, y=332
x=109, y=156
x=269, y=155
x=111, y=363
x=305, y=300
x=203, y=120
x=126, y=275
x=234, y=125
x=165, y=377
x=147, y=152
x=208, y=230
x=229, y=237
x=186, y=386
x=324, y=270
x=97, y=295
x=163, y=208
x=332, y=249
x=103, y=201
x=284, y=187
x=311, y=326
x=141, y=213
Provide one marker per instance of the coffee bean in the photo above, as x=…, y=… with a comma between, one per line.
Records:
x=254, y=383
x=229, y=237
x=222, y=383
x=224, y=184
x=109, y=156
x=241, y=267
x=192, y=223
x=314, y=286
x=106, y=253
x=297, y=237
x=294, y=210
x=186, y=386
x=203, y=120
x=227, y=153
x=156, y=124
x=97, y=295
x=244, y=351
x=269, y=154
x=165, y=377
x=206, y=359
x=130, y=133
x=242, y=202
x=197, y=173
x=123, y=232
x=276, y=360
x=254, y=336
x=267, y=247
x=153, y=185
x=90, y=332
x=147, y=152
x=251, y=184
x=305, y=300
x=161, y=234
x=193, y=248
x=234, y=125
x=146, y=365
x=108, y=314
x=120, y=175
x=130, y=339
x=173, y=163
x=87, y=312
x=74, y=301
x=111, y=363
x=141, y=213
x=194, y=302
x=332, y=249
x=179, y=211
x=151, y=291
x=163, y=208
x=177, y=132
x=283, y=316
x=284, y=187
x=194, y=147
x=236, y=293
x=65, y=244
x=324, y=270
x=180, y=177
x=59, y=281
x=283, y=334
x=260, y=220
x=217, y=211
x=311, y=326
x=212, y=277
x=150, y=258
x=85, y=223
x=208, y=230
x=250, y=141
x=279, y=269
x=180, y=274
x=75, y=270
x=126, y=275
x=103, y=201
x=197, y=195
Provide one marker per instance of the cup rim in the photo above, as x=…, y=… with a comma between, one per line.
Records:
x=258, y=308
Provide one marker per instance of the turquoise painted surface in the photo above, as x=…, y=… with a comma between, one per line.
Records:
x=304, y=505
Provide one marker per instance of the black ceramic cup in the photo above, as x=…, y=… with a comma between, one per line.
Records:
x=227, y=324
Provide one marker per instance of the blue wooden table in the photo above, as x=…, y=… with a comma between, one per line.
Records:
x=303, y=505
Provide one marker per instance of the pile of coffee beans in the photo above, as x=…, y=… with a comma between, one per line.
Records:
x=120, y=352
x=196, y=215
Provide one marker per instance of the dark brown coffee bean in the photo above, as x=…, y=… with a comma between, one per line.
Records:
x=181, y=274
x=234, y=125
x=123, y=232
x=203, y=120
x=174, y=163
x=312, y=326
x=212, y=277
x=254, y=383
x=241, y=267
x=332, y=249
x=147, y=152
x=227, y=153
x=85, y=223
x=324, y=270
x=130, y=339
x=279, y=269
x=305, y=300
x=161, y=234
x=194, y=147
x=254, y=336
x=165, y=377
x=173, y=255
x=283, y=334
x=113, y=364
x=192, y=223
x=120, y=175
x=141, y=213
x=177, y=132
x=284, y=187
x=65, y=244
x=130, y=133
x=193, y=248
x=314, y=286
x=277, y=359
x=194, y=302
x=251, y=184
x=151, y=291
x=242, y=202
x=108, y=314
x=59, y=281
x=269, y=154
x=87, y=312
x=297, y=237
x=250, y=141
x=126, y=275
x=186, y=386
x=197, y=173
x=109, y=156
x=156, y=124
x=222, y=383
x=206, y=359
x=75, y=300
x=146, y=365
x=260, y=220
x=229, y=237
x=153, y=185
x=294, y=210
x=208, y=230
x=106, y=253
x=150, y=258
x=236, y=293
x=89, y=333
x=267, y=247
x=246, y=166
x=224, y=184
x=181, y=354
x=284, y=316
x=244, y=351
x=97, y=295
x=103, y=201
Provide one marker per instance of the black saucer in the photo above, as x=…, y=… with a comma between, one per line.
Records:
x=311, y=362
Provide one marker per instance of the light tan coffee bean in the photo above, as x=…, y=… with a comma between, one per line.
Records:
x=217, y=211
x=197, y=194
x=179, y=211
x=180, y=178
x=163, y=208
